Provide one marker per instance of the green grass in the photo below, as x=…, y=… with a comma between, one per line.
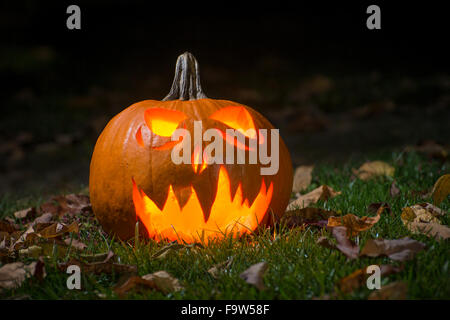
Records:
x=298, y=267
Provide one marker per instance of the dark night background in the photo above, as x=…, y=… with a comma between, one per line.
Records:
x=336, y=90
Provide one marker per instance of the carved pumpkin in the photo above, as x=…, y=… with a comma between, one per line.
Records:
x=132, y=175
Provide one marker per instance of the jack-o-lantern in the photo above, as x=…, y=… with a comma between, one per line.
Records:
x=133, y=175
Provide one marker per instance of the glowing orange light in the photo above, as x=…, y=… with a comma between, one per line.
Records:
x=228, y=215
x=233, y=141
x=196, y=160
x=261, y=138
x=237, y=118
x=163, y=122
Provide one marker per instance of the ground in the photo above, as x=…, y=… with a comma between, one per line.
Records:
x=298, y=268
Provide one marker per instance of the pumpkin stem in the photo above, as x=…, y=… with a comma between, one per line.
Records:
x=186, y=84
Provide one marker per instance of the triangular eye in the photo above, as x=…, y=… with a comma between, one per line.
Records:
x=237, y=118
x=163, y=122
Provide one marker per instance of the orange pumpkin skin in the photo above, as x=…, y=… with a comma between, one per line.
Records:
x=121, y=157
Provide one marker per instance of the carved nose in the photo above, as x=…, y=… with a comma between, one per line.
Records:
x=198, y=162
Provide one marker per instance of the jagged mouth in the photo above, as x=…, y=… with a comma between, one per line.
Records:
x=229, y=215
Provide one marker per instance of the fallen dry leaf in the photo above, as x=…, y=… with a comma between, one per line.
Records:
x=394, y=191
x=164, y=281
x=217, y=269
x=345, y=245
x=393, y=291
x=70, y=204
x=44, y=218
x=358, y=278
x=441, y=189
x=38, y=231
x=422, y=212
x=323, y=193
x=422, y=218
x=12, y=275
x=133, y=283
x=302, y=178
x=431, y=229
x=106, y=266
x=373, y=169
x=254, y=275
x=397, y=249
x=160, y=280
x=77, y=244
x=324, y=242
x=373, y=207
x=7, y=227
x=306, y=216
x=25, y=213
x=58, y=229
x=355, y=224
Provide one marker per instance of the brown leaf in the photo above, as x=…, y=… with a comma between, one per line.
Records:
x=74, y=203
x=358, y=278
x=422, y=218
x=7, y=227
x=133, y=283
x=25, y=213
x=441, y=189
x=355, y=224
x=394, y=191
x=397, y=249
x=105, y=266
x=323, y=193
x=373, y=169
x=26, y=236
x=306, y=216
x=164, y=282
x=217, y=269
x=431, y=229
x=374, y=207
x=160, y=280
x=39, y=270
x=422, y=212
x=71, y=204
x=302, y=178
x=48, y=208
x=324, y=242
x=77, y=244
x=345, y=245
x=58, y=229
x=393, y=291
x=44, y=218
x=12, y=275
x=254, y=275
